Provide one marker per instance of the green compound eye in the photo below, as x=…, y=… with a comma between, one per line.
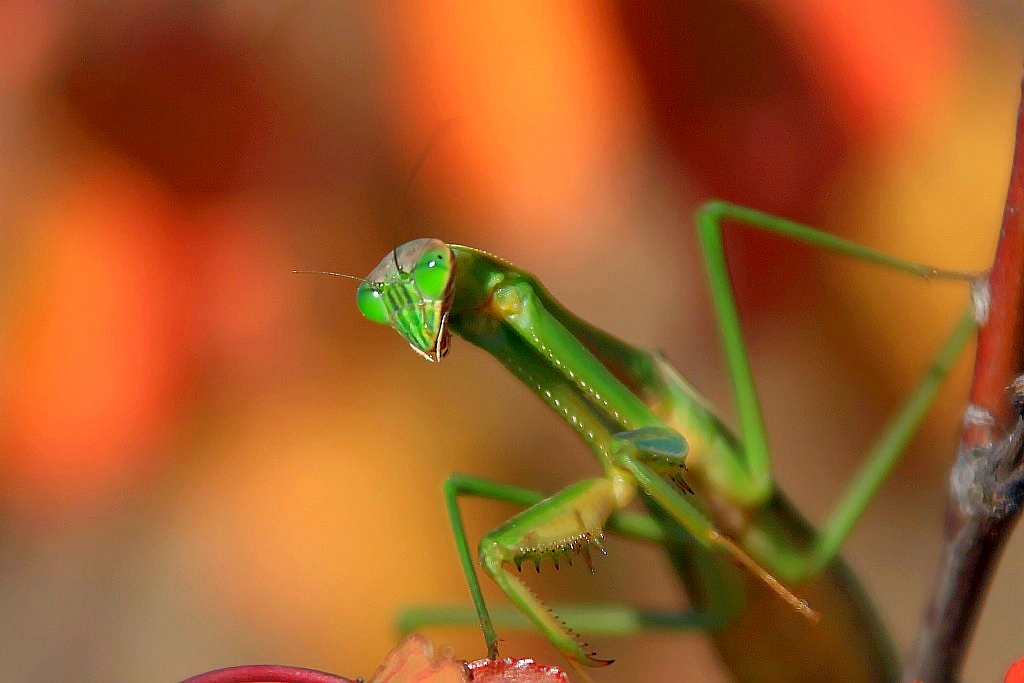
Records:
x=371, y=304
x=432, y=273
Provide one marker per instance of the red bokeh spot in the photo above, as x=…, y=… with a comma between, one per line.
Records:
x=1015, y=673
x=96, y=357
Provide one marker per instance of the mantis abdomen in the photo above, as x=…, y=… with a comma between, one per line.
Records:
x=767, y=641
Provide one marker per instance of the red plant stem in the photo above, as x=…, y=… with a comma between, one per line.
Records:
x=987, y=480
x=1000, y=340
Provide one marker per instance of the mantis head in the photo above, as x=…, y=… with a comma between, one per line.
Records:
x=411, y=290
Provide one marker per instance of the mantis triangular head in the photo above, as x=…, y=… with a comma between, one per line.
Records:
x=411, y=290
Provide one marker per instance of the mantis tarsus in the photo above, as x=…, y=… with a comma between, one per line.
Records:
x=743, y=552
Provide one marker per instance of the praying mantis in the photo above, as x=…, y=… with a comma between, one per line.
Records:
x=773, y=593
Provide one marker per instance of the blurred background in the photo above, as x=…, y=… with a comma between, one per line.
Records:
x=206, y=460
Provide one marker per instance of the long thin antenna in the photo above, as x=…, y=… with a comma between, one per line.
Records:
x=442, y=130
x=327, y=272
x=439, y=133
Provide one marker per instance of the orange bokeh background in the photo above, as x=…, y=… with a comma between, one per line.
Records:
x=207, y=460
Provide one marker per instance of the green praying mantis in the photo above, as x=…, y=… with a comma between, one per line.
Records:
x=773, y=593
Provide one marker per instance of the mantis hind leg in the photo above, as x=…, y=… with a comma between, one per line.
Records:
x=754, y=452
x=719, y=604
x=742, y=468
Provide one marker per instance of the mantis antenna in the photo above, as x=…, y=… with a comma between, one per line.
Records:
x=443, y=128
x=439, y=133
x=327, y=272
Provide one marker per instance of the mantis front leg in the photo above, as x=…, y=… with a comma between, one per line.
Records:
x=600, y=619
x=566, y=524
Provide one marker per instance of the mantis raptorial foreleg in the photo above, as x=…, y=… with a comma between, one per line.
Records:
x=599, y=619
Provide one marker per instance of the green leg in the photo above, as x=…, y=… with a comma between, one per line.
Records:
x=610, y=619
x=883, y=456
x=455, y=486
x=890, y=445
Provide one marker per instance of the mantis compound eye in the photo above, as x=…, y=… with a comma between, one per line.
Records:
x=371, y=303
x=433, y=273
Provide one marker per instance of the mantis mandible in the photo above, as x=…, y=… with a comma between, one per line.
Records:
x=759, y=577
